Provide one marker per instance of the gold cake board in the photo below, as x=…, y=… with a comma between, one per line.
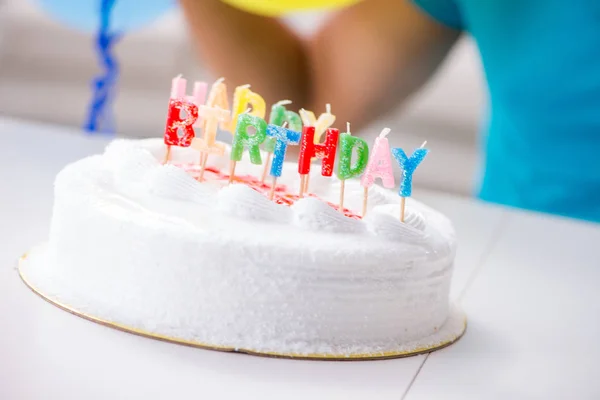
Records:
x=322, y=357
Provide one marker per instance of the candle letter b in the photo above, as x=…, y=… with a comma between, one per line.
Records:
x=176, y=122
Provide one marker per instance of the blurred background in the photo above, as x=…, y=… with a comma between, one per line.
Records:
x=46, y=69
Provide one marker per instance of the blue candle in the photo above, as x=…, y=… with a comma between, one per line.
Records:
x=283, y=137
x=408, y=165
x=279, y=116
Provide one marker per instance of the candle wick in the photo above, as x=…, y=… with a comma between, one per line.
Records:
x=328, y=108
x=247, y=110
x=385, y=132
x=179, y=76
x=247, y=86
x=284, y=102
x=424, y=143
x=219, y=81
x=348, y=128
x=284, y=124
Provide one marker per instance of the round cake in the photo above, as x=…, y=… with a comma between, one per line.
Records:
x=147, y=248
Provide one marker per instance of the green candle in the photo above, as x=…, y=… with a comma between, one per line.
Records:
x=346, y=169
x=279, y=116
x=242, y=139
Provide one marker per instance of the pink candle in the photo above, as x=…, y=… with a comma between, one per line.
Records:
x=380, y=163
x=178, y=87
x=200, y=89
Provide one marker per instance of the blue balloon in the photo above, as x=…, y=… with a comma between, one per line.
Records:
x=127, y=15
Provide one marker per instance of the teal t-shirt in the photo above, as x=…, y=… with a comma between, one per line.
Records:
x=542, y=63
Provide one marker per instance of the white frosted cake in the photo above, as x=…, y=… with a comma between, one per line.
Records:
x=147, y=248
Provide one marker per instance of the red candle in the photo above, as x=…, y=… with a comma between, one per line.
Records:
x=326, y=151
x=176, y=122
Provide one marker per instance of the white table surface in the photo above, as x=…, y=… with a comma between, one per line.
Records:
x=529, y=283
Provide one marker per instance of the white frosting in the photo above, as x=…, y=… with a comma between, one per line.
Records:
x=146, y=245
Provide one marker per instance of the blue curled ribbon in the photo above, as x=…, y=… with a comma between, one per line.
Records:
x=100, y=114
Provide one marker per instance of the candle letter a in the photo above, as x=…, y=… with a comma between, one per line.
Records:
x=380, y=163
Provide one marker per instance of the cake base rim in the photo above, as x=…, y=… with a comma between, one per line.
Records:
x=455, y=314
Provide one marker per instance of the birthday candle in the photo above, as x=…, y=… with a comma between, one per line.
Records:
x=178, y=85
x=380, y=163
x=198, y=98
x=242, y=139
x=199, y=95
x=309, y=149
x=321, y=125
x=178, y=89
x=282, y=137
x=242, y=99
x=208, y=144
x=217, y=97
x=279, y=116
x=379, y=166
x=345, y=168
x=408, y=165
x=175, y=122
x=308, y=117
x=347, y=145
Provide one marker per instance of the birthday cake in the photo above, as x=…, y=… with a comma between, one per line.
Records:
x=229, y=262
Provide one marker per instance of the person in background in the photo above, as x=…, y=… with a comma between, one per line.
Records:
x=541, y=61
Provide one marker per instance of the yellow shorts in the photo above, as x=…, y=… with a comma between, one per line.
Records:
x=280, y=7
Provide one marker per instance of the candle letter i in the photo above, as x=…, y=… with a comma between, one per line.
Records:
x=242, y=140
x=408, y=165
x=279, y=117
x=282, y=137
x=345, y=168
x=379, y=166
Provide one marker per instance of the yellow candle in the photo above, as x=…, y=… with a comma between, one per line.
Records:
x=243, y=99
x=321, y=125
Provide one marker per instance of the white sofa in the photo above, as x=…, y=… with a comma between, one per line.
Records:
x=46, y=69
